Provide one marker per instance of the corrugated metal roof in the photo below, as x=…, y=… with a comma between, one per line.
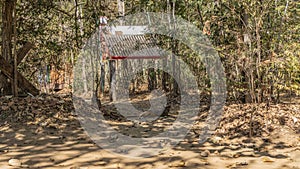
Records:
x=133, y=47
x=128, y=30
x=131, y=42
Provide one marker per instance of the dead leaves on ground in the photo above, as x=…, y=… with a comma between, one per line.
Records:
x=240, y=119
x=43, y=110
x=237, y=119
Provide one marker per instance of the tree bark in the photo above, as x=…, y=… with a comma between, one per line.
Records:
x=7, y=35
x=23, y=52
x=15, y=56
x=79, y=23
x=151, y=79
x=112, y=78
x=23, y=83
x=174, y=52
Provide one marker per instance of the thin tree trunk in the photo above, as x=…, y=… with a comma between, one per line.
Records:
x=151, y=77
x=15, y=81
x=112, y=63
x=112, y=78
x=258, y=60
x=165, y=76
x=78, y=14
x=102, y=78
x=174, y=52
x=249, y=70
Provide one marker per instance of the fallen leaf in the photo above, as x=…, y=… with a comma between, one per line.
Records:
x=178, y=164
x=267, y=159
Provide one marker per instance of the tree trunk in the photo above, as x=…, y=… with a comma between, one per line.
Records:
x=7, y=70
x=112, y=78
x=174, y=52
x=102, y=78
x=15, y=57
x=249, y=69
x=7, y=35
x=78, y=14
x=164, y=78
x=151, y=79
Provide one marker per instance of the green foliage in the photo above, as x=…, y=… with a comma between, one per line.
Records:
x=258, y=41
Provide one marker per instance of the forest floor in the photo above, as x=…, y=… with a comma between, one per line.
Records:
x=43, y=132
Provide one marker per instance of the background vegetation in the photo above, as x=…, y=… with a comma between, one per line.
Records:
x=258, y=41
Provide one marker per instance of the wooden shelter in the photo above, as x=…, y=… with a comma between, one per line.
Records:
x=131, y=42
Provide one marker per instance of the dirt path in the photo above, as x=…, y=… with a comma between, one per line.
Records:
x=48, y=148
x=61, y=143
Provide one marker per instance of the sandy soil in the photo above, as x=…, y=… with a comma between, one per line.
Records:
x=62, y=144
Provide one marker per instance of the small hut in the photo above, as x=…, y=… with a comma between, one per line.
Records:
x=131, y=42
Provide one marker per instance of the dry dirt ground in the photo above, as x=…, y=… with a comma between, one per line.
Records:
x=43, y=133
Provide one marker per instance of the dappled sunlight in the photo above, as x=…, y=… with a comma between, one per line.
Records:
x=149, y=84
x=50, y=147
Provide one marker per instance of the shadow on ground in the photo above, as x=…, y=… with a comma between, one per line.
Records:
x=64, y=144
